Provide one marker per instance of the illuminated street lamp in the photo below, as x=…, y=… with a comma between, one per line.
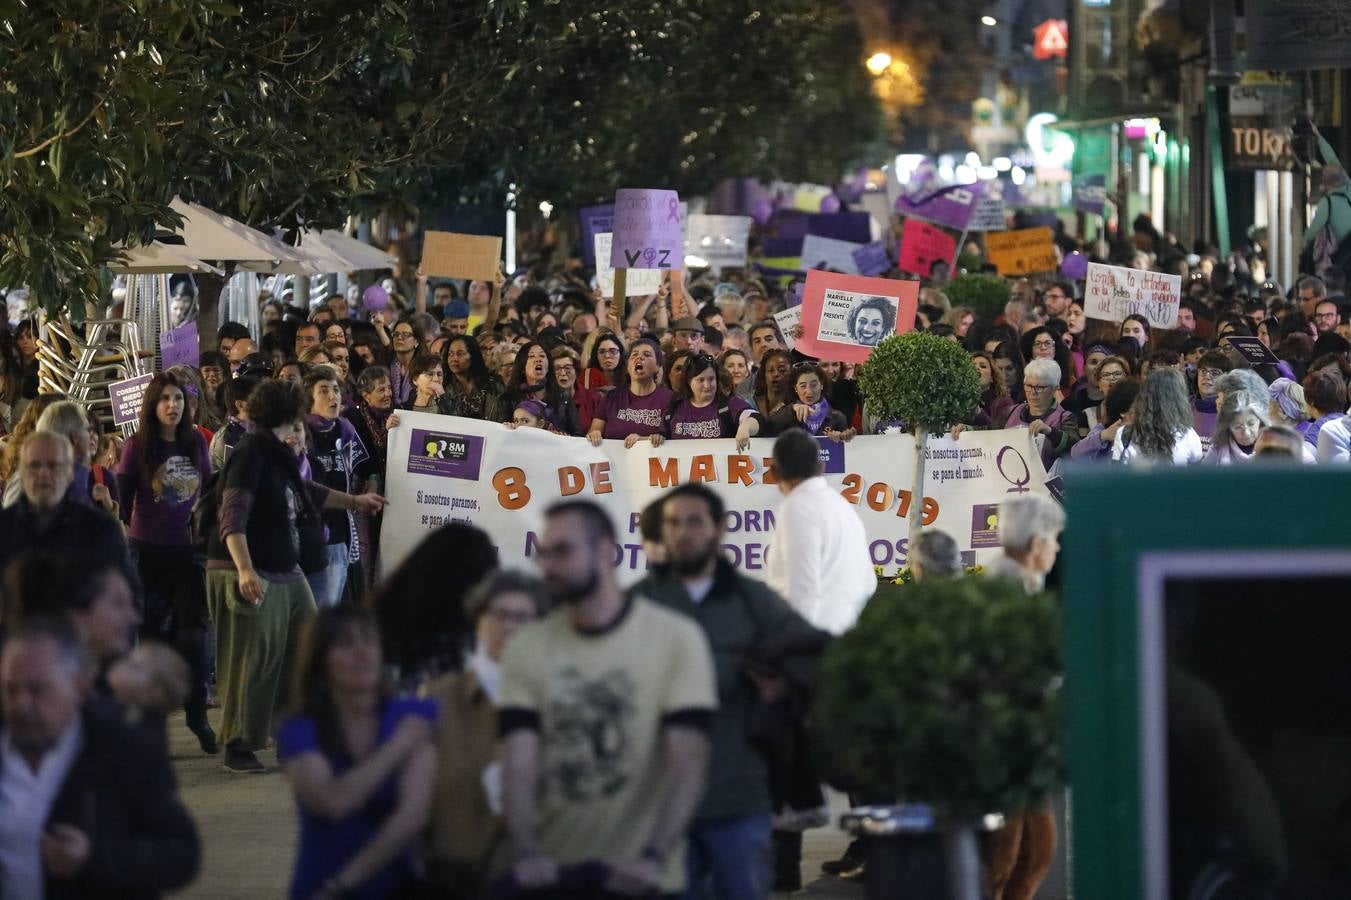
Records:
x=879, y=63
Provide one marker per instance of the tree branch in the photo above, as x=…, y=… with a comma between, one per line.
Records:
x=61, y=135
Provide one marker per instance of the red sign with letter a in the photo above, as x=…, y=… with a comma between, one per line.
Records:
x=1052, y=39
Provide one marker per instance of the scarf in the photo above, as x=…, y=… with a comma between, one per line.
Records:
x=817, y=417
x=375, y=421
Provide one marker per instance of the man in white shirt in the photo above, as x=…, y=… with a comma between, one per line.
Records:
x=818, y=557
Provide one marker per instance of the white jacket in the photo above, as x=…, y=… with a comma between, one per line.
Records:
x=1334, y=441
x=1186, y=449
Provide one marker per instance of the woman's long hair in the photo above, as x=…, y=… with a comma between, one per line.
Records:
x=27, y=424
x=553, y=394
x=997, y=386
x=1162, y=413
x=311, y=694
x=478, y=368
x=147, y=439
x=762, y=379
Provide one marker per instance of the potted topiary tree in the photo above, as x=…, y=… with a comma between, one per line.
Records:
x=986, y=294
x=948, y=695
x=929, y=383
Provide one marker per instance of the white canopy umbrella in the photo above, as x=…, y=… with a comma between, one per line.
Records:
x=209, y=235
x=356, y=255
x=159, y=259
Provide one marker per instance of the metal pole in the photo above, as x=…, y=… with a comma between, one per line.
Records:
x=510, y=242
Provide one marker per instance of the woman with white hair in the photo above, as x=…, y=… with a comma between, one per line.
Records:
x=1241, y=418
x=1041, y=414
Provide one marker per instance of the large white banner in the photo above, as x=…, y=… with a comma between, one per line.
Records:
x=444, y=469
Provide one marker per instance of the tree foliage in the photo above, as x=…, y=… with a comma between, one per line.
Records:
x=922, y=379
x=948, y=693
x=986, y=294
x=295, y=113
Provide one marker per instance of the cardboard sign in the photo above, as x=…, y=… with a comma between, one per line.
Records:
x=179, y=346
x=845, y=316
x=446, y=254
x=720, y=241
x=827, y=253
x=953, y=205
x=595, y=220
x=128, y=397
x=788, y=320
x=1113, y=292
x=872, y=259
x=1021, y=252
x=990, y=215
x=649, y=232
x=638, y=283
x=923, y=245
x=1251, y=349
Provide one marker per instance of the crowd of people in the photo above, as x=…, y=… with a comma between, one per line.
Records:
x=493, y=730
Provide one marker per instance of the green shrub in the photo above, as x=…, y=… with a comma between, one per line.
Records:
x=948, y=693
x=924, y=380
x=986, y=294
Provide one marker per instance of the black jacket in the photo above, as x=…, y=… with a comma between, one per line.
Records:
x=121, y=793
x=91, y=534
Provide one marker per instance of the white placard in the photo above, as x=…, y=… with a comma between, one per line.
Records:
x=639, y=282
x=1113, y=292
x=788, y=320
x=828, y=253
x=720, y=241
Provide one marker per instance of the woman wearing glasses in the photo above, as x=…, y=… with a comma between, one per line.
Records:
x=406, y=347
x=1041, y=415
x=704, y=411
x=1043, y=342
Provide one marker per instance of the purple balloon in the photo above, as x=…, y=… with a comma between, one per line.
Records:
x=375, y=298
x=830, y=204
x=1074, y=266
x=762, y=211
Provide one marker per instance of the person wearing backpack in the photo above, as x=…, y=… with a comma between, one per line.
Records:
x=159, y=476
x=1327, y=241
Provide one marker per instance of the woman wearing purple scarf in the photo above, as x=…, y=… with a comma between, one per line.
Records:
x=811, y=411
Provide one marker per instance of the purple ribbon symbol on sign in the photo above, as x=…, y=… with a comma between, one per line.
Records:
x=673, y=211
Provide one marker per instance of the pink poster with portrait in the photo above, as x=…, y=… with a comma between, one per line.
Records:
x=845, y=316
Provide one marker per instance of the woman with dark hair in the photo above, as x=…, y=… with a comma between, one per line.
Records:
x=405, y=346
x=159, y=476
x=637, y=410
x=1008, y=362
x=470, y=389
x=1043, y=342
x=842, y=389
x=1115, y=412
x=606, y=362
x=466, y=849
x=532, y=378
x=872, y=321
x=673, y=372
x=11, y=381
x=367, y=350
x=269, y=537
x=736, y=366
x=772, y=389
x=706, y=411
x=811, y=411
x=26, y=341
x=360, y=760
x=1325, y=395
x=421, y=612
x=1160, y=427
x=995, y=402
x=427, y=375
x=1136, y=326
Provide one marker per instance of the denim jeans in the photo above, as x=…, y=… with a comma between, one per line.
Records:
x=729, y=859
x=327, y=585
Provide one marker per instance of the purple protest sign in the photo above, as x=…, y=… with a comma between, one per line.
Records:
x=127, y=397
x=853, y=227
x=179, y=346
x=375, y=298
x=1074, y=266
x=445, y=454
x=648, y=230
x=872, y=259
x=951, y=206
x=595, y=220
x=832, y=456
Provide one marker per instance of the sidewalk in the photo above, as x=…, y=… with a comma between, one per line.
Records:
x=248, y=830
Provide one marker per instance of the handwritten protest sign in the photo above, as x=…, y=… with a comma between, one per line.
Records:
x=649, y=232
x=720, y=241
x=872, y=259
x=845, y=316
x=446, y=254
x=127, y=397
x=788, y=320
x=924, y=245
x=1113, y=292
x=640, y=282
x=595, y=220
x=952, y=206
x=827, y=253
x=179, y=347
x=990, y=215
x=1021, y=252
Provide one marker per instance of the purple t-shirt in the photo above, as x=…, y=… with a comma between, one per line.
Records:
x=626, y=414
x=690, y=421
x=159, y=509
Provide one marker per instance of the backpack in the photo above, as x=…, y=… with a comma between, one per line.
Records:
x=206, y=512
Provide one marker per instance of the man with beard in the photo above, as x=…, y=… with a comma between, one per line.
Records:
x=606, y=708
x=729, y=840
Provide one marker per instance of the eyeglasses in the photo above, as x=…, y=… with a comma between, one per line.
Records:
x=1111, y=375
x=1210, y=373
x=1042, y=344
x=403, y=335
x=1037, y=388
x=608, y=351
x=1325, y=317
